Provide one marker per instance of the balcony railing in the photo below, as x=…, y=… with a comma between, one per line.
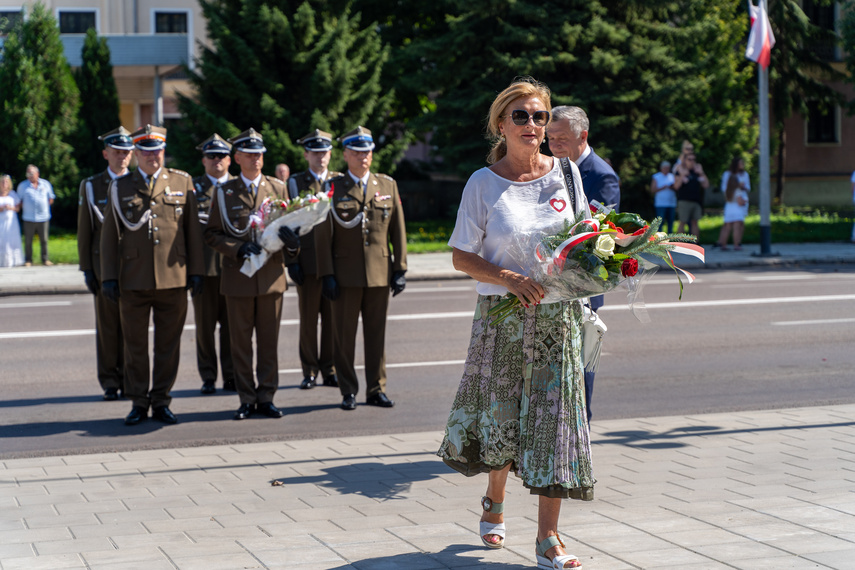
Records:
x=133, y=49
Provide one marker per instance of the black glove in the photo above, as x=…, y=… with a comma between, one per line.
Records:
x=91, y=282
x=290, y=238
x=398, y=282
x=248, y=248
x=329, y=288
x=195, y=283
x=110, y=289
x=295, y=272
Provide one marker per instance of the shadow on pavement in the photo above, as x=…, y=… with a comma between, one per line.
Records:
x=646, y=439
x=375, y=480
x=452, y=556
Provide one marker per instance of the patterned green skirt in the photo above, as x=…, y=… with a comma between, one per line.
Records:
x=522, y=401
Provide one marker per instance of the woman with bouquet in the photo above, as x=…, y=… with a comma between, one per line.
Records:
x=521, y=402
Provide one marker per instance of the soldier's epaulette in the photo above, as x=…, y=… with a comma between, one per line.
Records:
x=181, y=172
x=386, y=176
x=334, y=174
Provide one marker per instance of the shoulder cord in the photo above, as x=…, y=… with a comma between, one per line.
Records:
x=224, y=215
x=569, y=182
x=117, y=210
x=351, y=223
x=96, y=213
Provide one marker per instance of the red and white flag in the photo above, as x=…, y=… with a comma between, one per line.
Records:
x=761, y=39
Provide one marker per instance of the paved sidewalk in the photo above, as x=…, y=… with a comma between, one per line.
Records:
x=65, y=279
x=750, y=490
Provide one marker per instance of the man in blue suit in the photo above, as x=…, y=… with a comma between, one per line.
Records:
x=568, y=137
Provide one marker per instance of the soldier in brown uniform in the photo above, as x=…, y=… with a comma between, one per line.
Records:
x=209, y=308
x=357, y=267
x=109, y=349
x=253, y=303
x=317, y=146
x=151, y=253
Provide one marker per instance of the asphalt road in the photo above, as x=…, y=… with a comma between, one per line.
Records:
x=738, y=340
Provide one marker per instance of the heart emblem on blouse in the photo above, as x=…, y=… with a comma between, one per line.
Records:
x=558, y=204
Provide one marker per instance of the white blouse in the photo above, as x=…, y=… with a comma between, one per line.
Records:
x=497, y=214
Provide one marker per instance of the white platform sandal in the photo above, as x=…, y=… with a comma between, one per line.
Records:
x=492, y=528
x=557, y=563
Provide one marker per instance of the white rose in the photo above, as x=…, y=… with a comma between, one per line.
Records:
x=604, y=247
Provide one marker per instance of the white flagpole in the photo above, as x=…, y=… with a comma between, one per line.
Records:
x=765, y=198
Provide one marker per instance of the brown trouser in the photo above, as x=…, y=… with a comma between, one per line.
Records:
x=168, y=309
x=31, y=229
x=373, y=303
x=209, y=308
x=109, y=346
x=262, y=314
x=311, y=303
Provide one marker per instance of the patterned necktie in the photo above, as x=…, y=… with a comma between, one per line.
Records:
x=252, y=189
x=150, y=183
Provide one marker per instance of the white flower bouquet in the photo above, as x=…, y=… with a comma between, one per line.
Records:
x=303, y=212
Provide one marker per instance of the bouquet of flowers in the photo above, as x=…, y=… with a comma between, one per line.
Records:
x=592, y=256
x=300, y=214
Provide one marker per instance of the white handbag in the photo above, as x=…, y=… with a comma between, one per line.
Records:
x=593, y=331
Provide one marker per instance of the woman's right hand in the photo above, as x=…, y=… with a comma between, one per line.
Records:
x=527, y=290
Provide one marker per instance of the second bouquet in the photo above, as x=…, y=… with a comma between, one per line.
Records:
x=302, y=213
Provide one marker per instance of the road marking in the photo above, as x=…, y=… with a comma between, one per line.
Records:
x=732, y=302
x=469, y=314
x=816, y=322
x=396, y=365
x=780, y=277
x=34, y=305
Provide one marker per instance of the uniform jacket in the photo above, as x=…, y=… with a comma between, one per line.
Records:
x=88, y=223
x=298, y=184
x=599, y=180
x=361, y=256
x=204, y=197
x=239, y=204
x=163, y=257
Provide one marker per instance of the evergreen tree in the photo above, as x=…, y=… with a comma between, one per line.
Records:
x=39, y=101
x=99, y=103
x=285, y=68
x=798, y=73
x=648, y=74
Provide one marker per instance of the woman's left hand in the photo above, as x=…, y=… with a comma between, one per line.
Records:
x=527, y=290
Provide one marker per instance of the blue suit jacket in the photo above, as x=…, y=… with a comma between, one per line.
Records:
x=600, y=183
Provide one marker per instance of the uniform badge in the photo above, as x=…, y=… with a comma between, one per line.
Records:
x=229, y=192
x=345, y=198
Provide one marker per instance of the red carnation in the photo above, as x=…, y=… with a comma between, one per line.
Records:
x=629, y=267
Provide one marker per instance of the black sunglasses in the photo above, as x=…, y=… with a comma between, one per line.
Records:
x=215, y=155
x=520, y=117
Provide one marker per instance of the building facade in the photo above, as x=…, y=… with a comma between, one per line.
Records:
x=150, y=41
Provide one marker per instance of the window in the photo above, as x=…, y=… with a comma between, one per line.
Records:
x=8, y=20
x=76, y=22
x=170, y=22
x=822, y=124
x=823, y=17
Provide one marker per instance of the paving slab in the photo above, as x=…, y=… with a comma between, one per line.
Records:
x=753, y=490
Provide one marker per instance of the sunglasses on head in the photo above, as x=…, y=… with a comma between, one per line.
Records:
x=520, y=117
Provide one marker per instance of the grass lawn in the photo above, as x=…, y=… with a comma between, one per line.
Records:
x=789, y=225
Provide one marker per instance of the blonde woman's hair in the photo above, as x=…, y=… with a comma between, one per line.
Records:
x=522, y=87
x=3, y=179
